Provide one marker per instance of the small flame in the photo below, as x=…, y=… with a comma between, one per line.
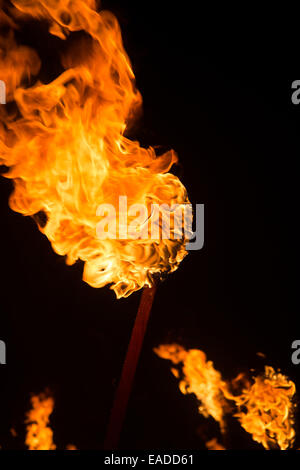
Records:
x=197, y=376
x=71, y=447
x=265, y=407
x=213, y=444
x=66, y=148
x=39, y=435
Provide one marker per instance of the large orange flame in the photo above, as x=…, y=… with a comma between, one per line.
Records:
x=39, y=435
x=265, y=406
x=266, y=409
x=65, y=144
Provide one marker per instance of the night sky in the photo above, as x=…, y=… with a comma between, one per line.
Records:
x=236, y=131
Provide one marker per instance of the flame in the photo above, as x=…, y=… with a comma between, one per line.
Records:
x=197, y=376
x=213, y=444
x=65, y=145
x=266, y=409
x=71, y=447
x=39, y=435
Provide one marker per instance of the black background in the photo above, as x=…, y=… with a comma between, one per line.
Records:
x=236, y=132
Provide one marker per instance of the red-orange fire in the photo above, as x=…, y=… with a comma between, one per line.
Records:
x=264, y=405
x=39, y=434
x=66, y=146
x=266, y=409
